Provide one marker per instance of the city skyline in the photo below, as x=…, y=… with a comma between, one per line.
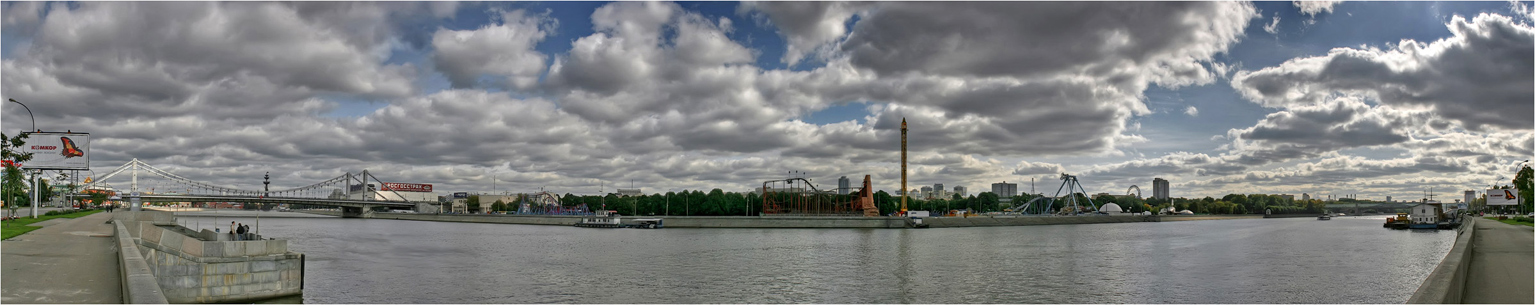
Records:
x=1369, y=98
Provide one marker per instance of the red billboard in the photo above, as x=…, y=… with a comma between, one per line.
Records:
x=407, y=187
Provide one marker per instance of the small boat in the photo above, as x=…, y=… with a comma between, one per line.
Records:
x=1324, y=217
x=648, y=223
x=1399, y=222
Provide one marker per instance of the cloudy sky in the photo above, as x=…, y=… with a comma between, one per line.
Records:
x=1370, y=98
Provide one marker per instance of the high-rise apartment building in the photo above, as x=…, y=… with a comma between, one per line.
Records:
x=1160, y=189
x=843, y=185
x=1004, y=189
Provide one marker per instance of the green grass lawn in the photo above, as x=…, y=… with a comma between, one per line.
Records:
x=13, y=228
x=1513, y=222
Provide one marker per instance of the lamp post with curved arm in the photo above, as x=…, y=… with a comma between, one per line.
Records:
x=29, y=112
x=35, y=180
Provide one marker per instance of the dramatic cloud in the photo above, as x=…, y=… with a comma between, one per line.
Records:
x=504, y=49
x=1273, y=27
x=134, y=59
x=670, y=97
x=1163, y=41
x=1312, y=8
x=808, y=25
x=1480, y=77
x=1305, y=132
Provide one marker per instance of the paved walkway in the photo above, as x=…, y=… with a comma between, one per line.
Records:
x=62, y=263
x=1502, y=266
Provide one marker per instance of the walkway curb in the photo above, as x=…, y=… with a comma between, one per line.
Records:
x=1447, y=283
x=139, y=283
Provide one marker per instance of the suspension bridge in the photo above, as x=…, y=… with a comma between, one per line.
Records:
x=350, y=191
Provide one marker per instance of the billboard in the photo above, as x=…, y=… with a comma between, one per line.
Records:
x=407, y=187
x=461, y=195
x=58, y=150
x=1502, y=197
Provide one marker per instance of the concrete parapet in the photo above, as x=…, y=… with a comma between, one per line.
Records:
x=1447, y=284
x=206, y=267
x=782, y=221
x=138, y=279
x=981, y=221
x=131, y=219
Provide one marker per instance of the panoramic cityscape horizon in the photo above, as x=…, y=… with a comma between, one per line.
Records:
x=1364, y=99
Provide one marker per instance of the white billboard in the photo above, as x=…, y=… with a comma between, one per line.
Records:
x=58, y=150
x=1502, y=197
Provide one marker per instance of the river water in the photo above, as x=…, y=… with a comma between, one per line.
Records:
x=1295, y=260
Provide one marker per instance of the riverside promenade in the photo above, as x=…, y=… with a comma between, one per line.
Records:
x=68, y=261
x=1502, y=266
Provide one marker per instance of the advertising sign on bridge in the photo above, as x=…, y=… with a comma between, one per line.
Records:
x=407, y=187
x=58, y=150
x=1502, y=197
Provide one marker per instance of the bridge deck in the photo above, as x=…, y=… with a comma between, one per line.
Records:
x=287, y=200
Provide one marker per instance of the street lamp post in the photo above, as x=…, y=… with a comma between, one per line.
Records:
x=34, y=176
x=29, y=113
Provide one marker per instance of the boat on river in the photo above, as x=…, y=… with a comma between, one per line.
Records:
x=601, y=219
x=1399, y=222
x=1324, y=217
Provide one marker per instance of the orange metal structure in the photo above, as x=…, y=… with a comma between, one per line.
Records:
x=797, y=196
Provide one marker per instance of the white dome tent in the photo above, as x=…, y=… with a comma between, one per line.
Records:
x=1111, y=208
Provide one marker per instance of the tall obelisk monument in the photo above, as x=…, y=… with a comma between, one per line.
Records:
x=904, y=192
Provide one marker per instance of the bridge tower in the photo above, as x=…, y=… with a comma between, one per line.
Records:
x=135, y=162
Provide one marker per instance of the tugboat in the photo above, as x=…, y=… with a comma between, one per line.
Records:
x=1399, y=222
x=1324, y=217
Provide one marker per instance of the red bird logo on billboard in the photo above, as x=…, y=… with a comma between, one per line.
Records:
x=1509, y=195
x=70, y=150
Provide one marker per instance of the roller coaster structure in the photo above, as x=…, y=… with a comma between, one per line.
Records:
x=797, y=196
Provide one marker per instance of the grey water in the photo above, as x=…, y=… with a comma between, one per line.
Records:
x=1294, y=260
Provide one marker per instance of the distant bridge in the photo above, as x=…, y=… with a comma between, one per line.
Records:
x=334, y=192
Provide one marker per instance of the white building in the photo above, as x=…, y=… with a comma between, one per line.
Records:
x=412, y=192
x=1425, y=213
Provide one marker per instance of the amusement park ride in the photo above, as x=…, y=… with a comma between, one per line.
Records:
x=545, y=203
x=797, y=196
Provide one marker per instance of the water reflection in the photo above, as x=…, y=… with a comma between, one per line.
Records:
x=1295, y=260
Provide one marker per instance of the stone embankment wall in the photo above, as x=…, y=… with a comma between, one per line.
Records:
x=778, y=221
x=207, y=267
x=984, y=221
x=138, y=280
x=1447, y=284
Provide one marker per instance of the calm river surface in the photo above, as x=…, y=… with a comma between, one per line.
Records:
x=1295, y=260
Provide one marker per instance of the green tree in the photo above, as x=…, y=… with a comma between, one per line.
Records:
x=1522, y=183
x=13, y=191
x=989, y=199
x=498, y=206
x=885, y=202
x=474, y=203
x=98, y=198
x=45, y=191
